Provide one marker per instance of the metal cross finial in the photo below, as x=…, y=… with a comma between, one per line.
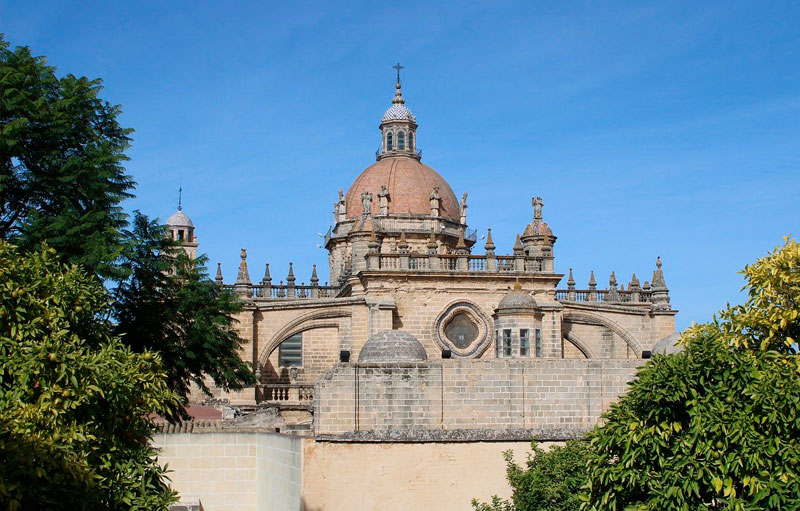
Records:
x=180, y=198
x=398, y=67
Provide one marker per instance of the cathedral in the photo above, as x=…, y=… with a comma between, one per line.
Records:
x=422, y=337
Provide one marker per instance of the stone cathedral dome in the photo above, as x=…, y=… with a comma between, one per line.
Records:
x=410, y=184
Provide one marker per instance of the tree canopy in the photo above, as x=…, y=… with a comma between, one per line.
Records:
x=716, y=426
x=75, y=402
x=551, y=480
x=62, y=150
x=167, y=303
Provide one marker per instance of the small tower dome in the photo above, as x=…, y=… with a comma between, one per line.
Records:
x=180, y=228
x=516, y=300
x=392, y=346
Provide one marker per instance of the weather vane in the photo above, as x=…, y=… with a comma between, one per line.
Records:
x=398, y=67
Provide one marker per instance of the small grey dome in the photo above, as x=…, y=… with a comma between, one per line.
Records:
x=517, y=299
x=179, y=219
x=392, y=346
x=398, y=113
x=668, y=345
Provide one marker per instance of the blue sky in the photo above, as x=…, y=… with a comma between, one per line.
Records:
x=669, y=129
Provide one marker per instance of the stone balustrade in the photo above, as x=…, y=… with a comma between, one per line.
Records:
x=603, y=295
x=288, y=394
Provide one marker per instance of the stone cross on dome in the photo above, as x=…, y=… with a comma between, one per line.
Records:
x=398, y=67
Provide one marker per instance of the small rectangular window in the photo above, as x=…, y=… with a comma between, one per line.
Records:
x=538, y=343
x=506, y=343
x=524, y=343
x=180, y=235
x=498, y=347
x=290, y=352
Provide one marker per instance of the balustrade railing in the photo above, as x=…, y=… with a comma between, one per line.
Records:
x=603, y=295
x=287, y=393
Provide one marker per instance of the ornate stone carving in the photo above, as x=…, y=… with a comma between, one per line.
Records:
x=464, y=209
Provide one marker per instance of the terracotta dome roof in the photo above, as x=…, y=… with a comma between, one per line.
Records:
x=410, y=185
x=538, y=229
x=392, y=346
x=179, y=219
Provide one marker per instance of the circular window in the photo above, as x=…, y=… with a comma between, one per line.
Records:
x=463, y=328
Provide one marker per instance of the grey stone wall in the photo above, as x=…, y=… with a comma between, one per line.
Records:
x=467, y=400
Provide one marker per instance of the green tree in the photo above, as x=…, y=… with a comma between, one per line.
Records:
x=716, y=426
x=169, y=304
x=550, y=482
x=74, y=401
x=62, y=178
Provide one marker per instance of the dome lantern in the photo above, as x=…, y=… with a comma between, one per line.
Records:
x=398, y=127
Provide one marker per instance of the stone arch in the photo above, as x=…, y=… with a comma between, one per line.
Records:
x=596, y=319
x=314, y=319
x=578, y=343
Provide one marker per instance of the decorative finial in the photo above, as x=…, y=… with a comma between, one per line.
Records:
x=518, y=244
x=592, y=281
x=432, y=240
x=517, y=285
x=460, y=243
x=267, y=276
x=314, y=278
x=489, y=243
x=398, y=94
x=658, y=262
x=180, y=198
x=612, y=280
x=218, y=278
x=403, y=238
x=570, y=280
x=243, y=277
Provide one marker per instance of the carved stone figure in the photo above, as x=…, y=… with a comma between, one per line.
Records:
x=537, y=204
x=464, y=209
x=436, y=202
x=366, y=203
x=383, y=201
x=341, y=207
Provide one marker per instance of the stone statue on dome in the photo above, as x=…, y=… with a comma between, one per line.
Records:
x=436, y=202
x=383, y=201
x=366, y=203
x=341, y=207
x=537, y=204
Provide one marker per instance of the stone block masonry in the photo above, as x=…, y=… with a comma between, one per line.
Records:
x=467, y=400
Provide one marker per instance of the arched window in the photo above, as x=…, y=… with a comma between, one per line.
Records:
x=410, y=141
x=290, y=352
x=389, y=141
x=401, y=140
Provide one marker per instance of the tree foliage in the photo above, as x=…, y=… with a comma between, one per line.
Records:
x=74, y=400
x=169, y=304
x=718, y=425
x=62, y=178
x=550, y=482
